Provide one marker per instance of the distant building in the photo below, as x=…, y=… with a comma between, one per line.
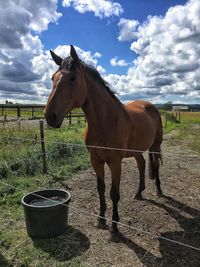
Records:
x=180, y=107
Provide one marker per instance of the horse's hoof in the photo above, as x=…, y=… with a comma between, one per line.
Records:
x=101, y=224
x=114, y=229
x=138, y=197
x=159, y=193
x=115, y=237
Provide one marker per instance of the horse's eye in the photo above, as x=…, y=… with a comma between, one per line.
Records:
x=72, y=78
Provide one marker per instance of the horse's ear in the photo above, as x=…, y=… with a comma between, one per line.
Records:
x=58, y=60
x=73, y=54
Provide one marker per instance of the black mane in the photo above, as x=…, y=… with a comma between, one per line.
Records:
x=68, y=64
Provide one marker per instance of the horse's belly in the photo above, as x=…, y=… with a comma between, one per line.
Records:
x=140, y=141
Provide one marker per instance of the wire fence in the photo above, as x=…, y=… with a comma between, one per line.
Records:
x=69, y=148
x=71, y=144
x=67, y=145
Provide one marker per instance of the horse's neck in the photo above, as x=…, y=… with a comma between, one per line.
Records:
x=100, y=109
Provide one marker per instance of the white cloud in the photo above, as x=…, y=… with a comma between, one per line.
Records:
x=168, y=62
x=42, y=13
x=32, y=44
x=115, y=62
x=127, y=29
x=19, y=47
x=101, y=8
x=25, y=73
x=118, y=83
x=168, y=48
x=17, y=76
x=101, y=70
x=97, y=54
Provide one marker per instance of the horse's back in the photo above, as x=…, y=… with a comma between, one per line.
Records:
x=139, y=105
x=144, y=109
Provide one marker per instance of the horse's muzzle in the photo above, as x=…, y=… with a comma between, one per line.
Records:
x=53, y=120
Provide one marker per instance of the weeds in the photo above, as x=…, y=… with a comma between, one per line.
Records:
x=21, y=173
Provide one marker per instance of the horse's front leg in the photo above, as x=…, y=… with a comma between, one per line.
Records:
x=98, y=166
x=115, y=168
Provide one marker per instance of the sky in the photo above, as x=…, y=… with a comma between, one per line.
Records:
x=145, y=49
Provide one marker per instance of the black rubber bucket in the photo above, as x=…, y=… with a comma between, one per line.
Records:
x=46, y=212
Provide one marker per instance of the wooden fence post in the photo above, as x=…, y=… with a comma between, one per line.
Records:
x=18, y=111
x=32, y=111
x=44, y=161
x=172, y=118
x=79, y=119
x=165, y=120
x=4, y=120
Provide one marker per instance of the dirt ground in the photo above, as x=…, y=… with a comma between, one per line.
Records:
x=175, y=216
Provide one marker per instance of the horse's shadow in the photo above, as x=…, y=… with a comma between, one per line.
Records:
x=173, y=254
x=66, y=247
x=146, y=257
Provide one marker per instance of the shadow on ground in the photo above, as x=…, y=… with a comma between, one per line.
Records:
x=73, y=244
x=173, y=254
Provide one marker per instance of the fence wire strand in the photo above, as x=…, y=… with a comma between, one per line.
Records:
x=102, y=147
x=39, y=154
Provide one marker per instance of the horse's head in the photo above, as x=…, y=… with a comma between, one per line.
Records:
x=69, y=88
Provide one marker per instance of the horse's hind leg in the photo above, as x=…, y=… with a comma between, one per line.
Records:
x=99, y=170
x=141, y=166
x=154, y=165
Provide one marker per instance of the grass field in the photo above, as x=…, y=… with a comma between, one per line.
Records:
x=187, y=120
x=21, y=172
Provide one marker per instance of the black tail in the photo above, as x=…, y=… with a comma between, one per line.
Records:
x=155, y=156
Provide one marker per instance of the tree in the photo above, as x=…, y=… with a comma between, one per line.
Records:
x=167, y=106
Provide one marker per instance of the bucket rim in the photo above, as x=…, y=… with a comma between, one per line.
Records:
x=36, y=193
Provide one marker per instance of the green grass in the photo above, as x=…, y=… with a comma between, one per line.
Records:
x=170, y=127
x=191, y=117
x=187, y=130
x=20, y=149
x=21, y=160
x=21, y=173
x=190, y=132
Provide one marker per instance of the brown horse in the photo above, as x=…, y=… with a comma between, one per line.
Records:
x=128, y=129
